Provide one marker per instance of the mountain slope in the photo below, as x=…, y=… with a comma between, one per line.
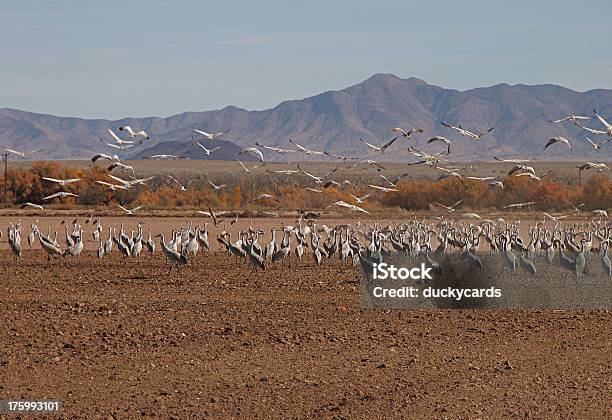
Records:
x=335, y=120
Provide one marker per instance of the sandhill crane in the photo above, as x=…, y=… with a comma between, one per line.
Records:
x=174, y=257
x=284, y=250
x=605, y=259
x=52, y=250
x=150, y=243
x=76, y=249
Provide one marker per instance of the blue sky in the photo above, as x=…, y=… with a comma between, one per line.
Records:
x=115, y=59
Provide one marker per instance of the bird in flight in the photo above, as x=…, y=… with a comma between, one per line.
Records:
x=181, y=186
x=216, y=187
x=383, y=189
x=22, y=154
x=61, y=194
x=305, y=150
x=348, y=206
x=597, y=146
x=62, y=182
x=113, y=158
x=112, y=187
x=381, y=148
x=467, y=133
x=120, y=141
x=276, y=149
x=407, y=133
x=211, y=136
x=208, y=152
x=558, y=139
x=133, y=133
x=360, y=200
x=573, y=118
x=263, y=196
x=604, y=122
x=130, y=212
x=450, y=208
x=252, y=151
x=28, y=204
x=441, y=140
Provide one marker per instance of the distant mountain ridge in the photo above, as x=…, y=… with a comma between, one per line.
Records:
x=335, y=120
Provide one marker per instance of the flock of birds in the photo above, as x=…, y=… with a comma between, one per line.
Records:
x=438, y=161
x=569, y=246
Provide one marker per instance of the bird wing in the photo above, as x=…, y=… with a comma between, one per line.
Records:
x=590, y=130
x=50, y=179
x=113, y=135
x=399, y=130
x=204, y=133
x=388, y=143
x=601, y=120
x=370, y=145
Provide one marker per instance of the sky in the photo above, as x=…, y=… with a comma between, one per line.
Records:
x=115, y=59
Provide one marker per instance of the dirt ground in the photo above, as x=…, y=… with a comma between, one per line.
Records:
x=123, y=339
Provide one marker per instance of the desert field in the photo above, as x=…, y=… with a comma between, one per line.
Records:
x=122, y=338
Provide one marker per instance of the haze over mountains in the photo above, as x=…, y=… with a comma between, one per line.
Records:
x=335, y=120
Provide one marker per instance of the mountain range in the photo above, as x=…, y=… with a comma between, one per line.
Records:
x=336, y=120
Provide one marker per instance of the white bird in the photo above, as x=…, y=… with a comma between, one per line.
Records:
x=517, y=161
x=360, y=200
x=551, y=217
x=28, y=204
x=383, y=189
x=61, y=194
x=558, y=139
x=600, y=213
x=262, y=196
x=573, y=118
x=112, y=187
x=467, y=133
x=519, y=205
x=113, y=158
x=252, y=151
x=133, y=133
x=181, y=186
x=247, y=170
x=216, y=187
x=305, y=150
x=348, y=206
x=130, y=183
x=124, y=168
x=382, y=147
x=62, y=182
x=604, y=122
x=22, y=154
x=211, y=136
x=471, y=216
x=118, y=140
x=208, y=152
x=130, y=212
x=441, y=139
x=117, y=146
x=164, y=157
x=313, y=190
x=276, y=149
x=598, y=145
x=450, y=208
